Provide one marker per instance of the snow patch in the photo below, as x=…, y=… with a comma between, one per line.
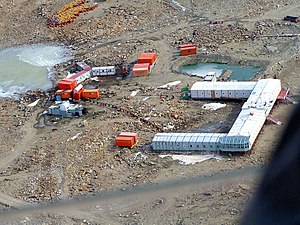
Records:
x=192, y=159
x=213, y=106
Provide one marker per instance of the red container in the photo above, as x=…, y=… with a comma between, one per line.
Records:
x=123, y=141
x=94, y=93
x=188, y=51
x=147, y=57
x=67, y=84
x=77, y=92
x=64, y=94
x=141, y=69
x=129, y=134
x=187, y=45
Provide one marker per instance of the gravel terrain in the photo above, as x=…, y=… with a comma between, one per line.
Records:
x=41, y=164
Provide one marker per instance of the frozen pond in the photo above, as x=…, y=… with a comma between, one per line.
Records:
x=239, y=73
x=27, y=67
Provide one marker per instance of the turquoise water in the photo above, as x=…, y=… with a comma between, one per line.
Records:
x=28, y=67
x=239, y=73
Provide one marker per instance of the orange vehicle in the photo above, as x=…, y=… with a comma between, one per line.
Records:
x=94, y=93
x=147, y=57
x=141, y=69
x=123, y=141
x=188, y=51
x=67, y=84
x=64, y=94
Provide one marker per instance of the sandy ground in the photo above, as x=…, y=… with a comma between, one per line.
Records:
x=39, y=166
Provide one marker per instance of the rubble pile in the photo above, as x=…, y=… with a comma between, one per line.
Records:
x=210, y=37
x=116, y=22
x=40, y=189
x=245, y=9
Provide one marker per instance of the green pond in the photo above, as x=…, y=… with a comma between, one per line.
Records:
x=29, y=67
x=239, y=73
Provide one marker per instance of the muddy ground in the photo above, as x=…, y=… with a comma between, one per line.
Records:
x=41, y=164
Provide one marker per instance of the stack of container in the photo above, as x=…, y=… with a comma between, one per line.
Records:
x=67, y=84
x=77, y=93
x=146, y=62
x=127, y=139
x=188, y=49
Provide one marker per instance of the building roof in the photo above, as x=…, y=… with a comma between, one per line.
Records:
x=188, y=137
x=147, y=55
x=205, y=86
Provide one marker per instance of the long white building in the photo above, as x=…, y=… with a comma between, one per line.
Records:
x=261, y=97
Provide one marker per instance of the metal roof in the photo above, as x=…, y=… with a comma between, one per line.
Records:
x=187, y=137
x=205, y=86
x=234, y=140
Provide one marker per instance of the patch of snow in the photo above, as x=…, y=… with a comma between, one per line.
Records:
x=174, y=83
x=213, y=106
x=192, y=159
x=134, y=93
x=33, y=103
x=178, y=4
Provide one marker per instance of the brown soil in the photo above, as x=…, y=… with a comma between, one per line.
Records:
x=40, y=165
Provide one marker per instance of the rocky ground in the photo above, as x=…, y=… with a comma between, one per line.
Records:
x=43, y=164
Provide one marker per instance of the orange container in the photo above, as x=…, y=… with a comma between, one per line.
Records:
x=77, y=92
x=187, y=45
x=147, y=57
x=141, y=69
x=64, y=94
x=188, y=51
x=129, y=134
x=123, y=141
x=94, y=93
x=67, y=84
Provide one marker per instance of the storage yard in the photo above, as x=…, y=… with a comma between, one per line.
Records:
x=130, y=106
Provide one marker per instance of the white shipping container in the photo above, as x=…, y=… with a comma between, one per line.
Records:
x=104, y=71
x=215, y=90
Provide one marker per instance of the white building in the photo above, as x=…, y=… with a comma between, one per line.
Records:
x=242, y=135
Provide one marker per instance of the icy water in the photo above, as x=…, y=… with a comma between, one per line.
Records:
x=239, y=73
x=28, y=67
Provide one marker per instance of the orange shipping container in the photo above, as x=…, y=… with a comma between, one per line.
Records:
x=129, y=134
x=141, y=69
x=187, y=45
x=67, y=84
x=94, y=93
x=77, y=92
x=147, y=57
x=142, y=65
x=64, y=94
x=140, y=72
x=123, y=141
x=188, y=51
